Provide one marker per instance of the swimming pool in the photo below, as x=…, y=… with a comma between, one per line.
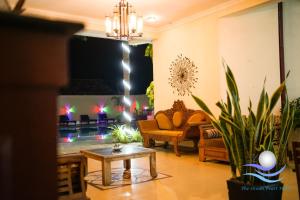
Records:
x=101, y=135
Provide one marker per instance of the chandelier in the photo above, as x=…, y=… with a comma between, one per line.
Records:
x=124, y=24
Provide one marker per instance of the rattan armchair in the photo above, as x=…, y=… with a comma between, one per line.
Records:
x=211, y=144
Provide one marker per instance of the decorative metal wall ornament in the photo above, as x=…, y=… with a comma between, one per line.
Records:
x=183, y=75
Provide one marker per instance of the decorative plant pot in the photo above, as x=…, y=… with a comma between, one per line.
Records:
x=238, y=190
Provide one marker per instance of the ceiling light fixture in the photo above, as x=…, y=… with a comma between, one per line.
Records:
x=151, y=18
x=124, y=24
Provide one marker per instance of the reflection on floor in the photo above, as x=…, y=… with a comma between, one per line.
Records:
x=191, y=180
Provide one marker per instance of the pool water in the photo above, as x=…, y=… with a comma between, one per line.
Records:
x=101, y=135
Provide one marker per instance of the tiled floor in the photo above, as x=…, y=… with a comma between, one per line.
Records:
x=191, y=180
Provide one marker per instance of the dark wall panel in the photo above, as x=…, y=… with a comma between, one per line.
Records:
x=96, y=67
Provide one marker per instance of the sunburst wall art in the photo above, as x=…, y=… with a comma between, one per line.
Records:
x=183, y=75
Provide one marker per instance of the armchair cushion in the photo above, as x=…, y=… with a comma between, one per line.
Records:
x=163, y=121
x=177, y=119
x=212, y=133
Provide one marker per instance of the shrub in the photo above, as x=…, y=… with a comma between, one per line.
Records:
x=124, y=134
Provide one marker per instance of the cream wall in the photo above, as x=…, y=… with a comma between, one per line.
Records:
x=198, y=42
x=291, y=19
x=248, y=42
x=197, y=39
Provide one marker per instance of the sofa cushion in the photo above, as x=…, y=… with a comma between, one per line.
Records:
x=165, y=132
x=163, y=121
x=177, y=119
x=196, y=118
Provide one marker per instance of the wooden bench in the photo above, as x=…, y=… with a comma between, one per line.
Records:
x=173, y=125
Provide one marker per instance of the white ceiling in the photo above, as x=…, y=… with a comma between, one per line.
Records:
x=168, y=11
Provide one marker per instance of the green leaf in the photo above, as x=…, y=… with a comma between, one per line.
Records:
x=202, y=105
x=267, y=100
x=229, y=104
x=149, y=51
x=275, y=97
x=232, y=87
x=229, y=122
x=261, y=104
x=230, y=74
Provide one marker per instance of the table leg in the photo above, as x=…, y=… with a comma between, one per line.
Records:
x=106, y=172
x=153, y=165
x=127, y=166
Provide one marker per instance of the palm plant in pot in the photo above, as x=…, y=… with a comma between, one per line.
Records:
x=256, y=155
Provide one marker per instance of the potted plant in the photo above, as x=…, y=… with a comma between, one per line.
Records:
x=150, y=95
x=295, y=135
x=149, y=51
x=125, y=134
x=296, y=104
x=256, y=158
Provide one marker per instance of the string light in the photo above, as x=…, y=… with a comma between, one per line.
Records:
x=126, y=84
x=126, y=66
x=127, y=101
x=127, y=116
x=126, y=47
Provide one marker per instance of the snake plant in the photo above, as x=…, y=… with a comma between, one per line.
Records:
x=246, y=136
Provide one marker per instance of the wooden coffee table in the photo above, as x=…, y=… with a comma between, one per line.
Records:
x=107, y=155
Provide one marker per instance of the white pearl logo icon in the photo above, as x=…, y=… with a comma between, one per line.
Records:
x=267, y=159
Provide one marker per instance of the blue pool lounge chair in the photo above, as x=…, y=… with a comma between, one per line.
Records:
x=85, y=120
x=103, y=120
x=65, y=121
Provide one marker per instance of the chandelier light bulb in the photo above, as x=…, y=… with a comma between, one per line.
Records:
x=132, y=23
x=140, y=25
x=108, y=25
x=116, y=23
